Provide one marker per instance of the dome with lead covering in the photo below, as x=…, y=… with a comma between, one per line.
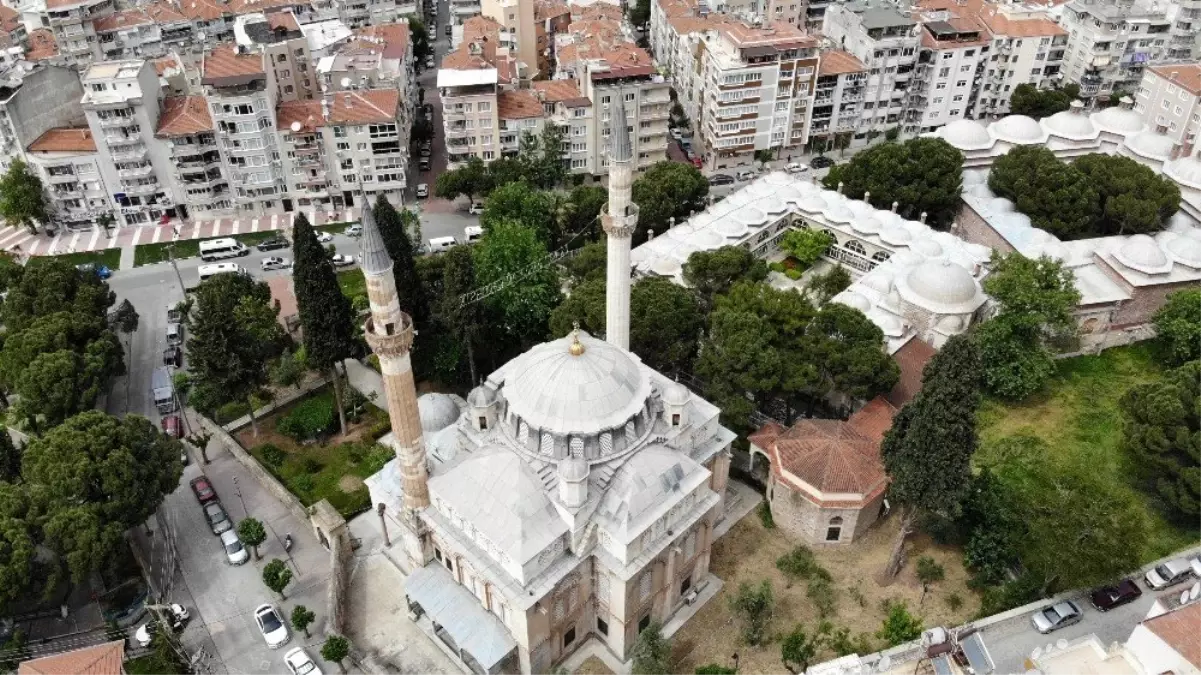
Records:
x=1150, y=144
x=941, y=286
x=966, y=135
x=1140, y=252
x=1184, y=249
x=481, y=397
x=1018, y=129
x=1118, y=120
x=1070, y=124
x=437, y=411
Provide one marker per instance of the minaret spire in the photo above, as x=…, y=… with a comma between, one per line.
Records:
x=619, y=220
x=389, y=332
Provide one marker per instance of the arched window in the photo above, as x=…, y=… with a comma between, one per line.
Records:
x=577, y=447
x=834, y=531
x=631, y=435
x=881, y=256
x=606, y=442
x=856, y=247
x=524, y=433
x=548, y=444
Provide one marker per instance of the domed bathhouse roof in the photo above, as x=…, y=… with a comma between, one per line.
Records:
x=1071, y=124
x=676, y=394
x=1141, y=253
x=941, y=286
x=1118, y=120
x=1150, y=145
x=1018, y=129
x=437, y=411
x=1184, y=249
x=1185, y=170
x=965, y=135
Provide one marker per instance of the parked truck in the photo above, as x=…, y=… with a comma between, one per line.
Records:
x=163, y=391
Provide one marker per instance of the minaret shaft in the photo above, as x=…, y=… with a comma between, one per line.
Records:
x=619, y=221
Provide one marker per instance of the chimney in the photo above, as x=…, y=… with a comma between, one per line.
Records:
x=1077, y=107
x=840, y=184
x=923, y=217
x=867, y=196
x=895, y=206
x=1175, y=154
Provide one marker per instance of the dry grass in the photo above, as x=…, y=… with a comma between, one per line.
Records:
x=748, y=552
x=592, y=666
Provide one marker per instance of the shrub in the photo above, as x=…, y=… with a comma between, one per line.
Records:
x=230, y=411
x=764, y=511
x=310, y=419
x=793, y=273
x=310, y=465
x=380, y=429
x=842, y=644
x=776, y=267
x=899, y=626
x=797, y=563
x=821, y=592
x=350, y=504
x=378, y=457
x=302, y=485
x=754, y=605
x=714, y=669
x=271, y=454
x=954, y=602
x=355, y=452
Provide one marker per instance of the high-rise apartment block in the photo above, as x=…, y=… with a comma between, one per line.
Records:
x=1111, y=42
x=1169, y=99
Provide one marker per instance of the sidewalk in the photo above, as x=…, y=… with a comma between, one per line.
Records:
x=19, y=240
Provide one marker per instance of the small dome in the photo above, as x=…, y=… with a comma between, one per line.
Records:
x=676, y=394
x=839, y=213
x=1151, y=145
x=867, y=225
x=1118, y=120
x=1141, y=253
x=1186, y=170
x=879, y=281
x=730, y=228
x=665, y=267
x=1071, y=125
x=1183, y=223
x=927, y=247
x=951, y=324
x=437, y=411
x=1018, y=129
x=966, y=135
x=896, y=236
x=860, y=208
x=573, y=469
x=812, y=203
x=852, y=299
x=908, y=258
x=1185, y=250
x=683, y=252
x=890, y=325
x=707, y=240
x=481, y=397
x=941, y=286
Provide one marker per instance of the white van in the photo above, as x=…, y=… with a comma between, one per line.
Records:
x=440, y=244
x=473, y=233
x=207, y=271
x=225, y=247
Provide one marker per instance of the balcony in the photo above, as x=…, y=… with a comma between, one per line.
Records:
x=130, y=155
x=144, y=189
x=306, y=149
x=68, y=193
x=116, y=122
x=457, y=131
x=59, y=178
x=136, y=172
x=119, y=140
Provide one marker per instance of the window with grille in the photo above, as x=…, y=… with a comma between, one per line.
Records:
x=547, y=444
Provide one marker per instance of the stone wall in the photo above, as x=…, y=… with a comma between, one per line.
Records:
x=974, y=229
x=333, y=533
x=256, y=470
x=806, y=521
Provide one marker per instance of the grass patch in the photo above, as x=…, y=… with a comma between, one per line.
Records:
x=331, y=469
x=109, y=257
x=335, y=228
x=148, y=254
x=352, y=282
x=1079, y=419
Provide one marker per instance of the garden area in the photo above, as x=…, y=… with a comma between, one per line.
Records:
x=300, y=445
x=109, y=257
x=148, y=254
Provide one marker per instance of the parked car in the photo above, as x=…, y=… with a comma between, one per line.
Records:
x=175, y=334
x=274, y=630
x=429, y=62
x=721, y=179
x=796, y=167
x=423, y=190
x=675, y=133
x=476, y=208
x=1108, y=597
x=354, y=230
x=821, y=162
x=425, y=153
x=448, y=29
x=172, y=426
x=440, y=244
x=218, y=519
x=1057, y=616
x=144, y=635
x=275, y=263
x=300, y=663
x=697, y=161
x=203, y=489
x=341, y=260
x=324, y=237
x=235, y=552
x=272, y=244
x=472, y=234
x=746, y=174
x=101, y=271
x=1168, y=574
x=428, y=108
x=173, y=356
x=424, y=164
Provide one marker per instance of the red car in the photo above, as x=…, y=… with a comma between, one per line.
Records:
x=203, y=490
x=172, y=426
x=1108, y=597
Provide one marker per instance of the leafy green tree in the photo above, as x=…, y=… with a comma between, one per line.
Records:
x=822, y=287
x=588, y=264
x=1163, y=435
x=1133, y=198
x=667, y=190
x=764, y=156
x=289, y=369
x=652, y=652
x=924, y=175
x=466, y=321
x=397, y=241
x=899, y=626
x=799, y=648
x=639, y=12
x=665, y=320
x=544, y=166
x=514, y=254
x=929, y=572
x=754, y=605
x=302, y=618
x=325, y=314
x=1062, y=503
x=928, y=451
x=1035, y=298
x=126, y=318
x=1031, y=101
x=849, y=354
x=581, y=209
x=277, y=575
x=472, y=179
x=53, y=286
x=714, y=273
x=10, y=458
x=521, y=203
x=92, y=478
x=806, y=246
x=234, y=337
x=1178, y=324
x=18, y=542
x=336, y=649
x=419, y=37
x=22, y=197
x=1056, y=196
x=54, y=386
x=253, y=534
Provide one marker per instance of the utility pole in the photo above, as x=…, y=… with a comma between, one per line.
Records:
x=238, y=491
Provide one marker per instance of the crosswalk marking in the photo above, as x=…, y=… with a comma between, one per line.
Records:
x=254, y=224
x=94, y=239
x=137, y=236
x=216, y=226
x=74, y=242
x=33, y=247
x=53, y=244
x=158, y=232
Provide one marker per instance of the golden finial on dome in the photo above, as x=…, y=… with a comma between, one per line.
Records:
x=576, y=347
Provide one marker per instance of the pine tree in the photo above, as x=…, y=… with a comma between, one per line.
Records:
x=404, y=269
x=325, y=314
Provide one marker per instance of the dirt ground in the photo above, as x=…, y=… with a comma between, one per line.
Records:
x=748, y=552
x=593, y=666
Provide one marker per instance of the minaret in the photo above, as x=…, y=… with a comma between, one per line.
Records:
x=389, y=332
x=619, y=221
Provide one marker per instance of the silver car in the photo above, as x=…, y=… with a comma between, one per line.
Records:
x=235, y=552
x=217, y=517
x=1057, y=616
x=1168, y=574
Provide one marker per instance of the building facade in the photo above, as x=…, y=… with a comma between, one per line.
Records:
x=1110, y=44
x=66, y=160
x=1169, y=98
x=34, y=101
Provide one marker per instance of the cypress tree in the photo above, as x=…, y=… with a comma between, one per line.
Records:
x=325, y=314
x=464, y=320
x=400, y=248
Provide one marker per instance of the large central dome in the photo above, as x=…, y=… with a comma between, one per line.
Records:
x=569, y=387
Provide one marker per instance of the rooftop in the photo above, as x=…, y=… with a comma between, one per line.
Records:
x=104, y=659
x=520, y=104
x=184, y=116
x=64, y=139
x=1179, y=629
x=227, y=65
x=41, y=45
x=345, y=107
x=1184, y=75
x=121, y=20
x=839, y=62
x=393, y=36
x=556, y=91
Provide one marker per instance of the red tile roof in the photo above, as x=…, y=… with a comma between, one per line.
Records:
x=10, y=20
x=285, y=20
x=555, y=91
x=127, y=19
x=873, y=419
x=41, y=45
x=1181, y=630
x=305, y=113
x=164, y=64
x=545, y=10
x=838, y=62
x=515, y=105
x=597, y=10
x=105, y=659
x=184, y=116
x=202, y=10
x=224, y=61
x=829, y=456
x=395, y=37
x=373, y=106
x=64, y=139
x=165, y=12
x=912, y=358
x=766, y=436
x=1184, y=75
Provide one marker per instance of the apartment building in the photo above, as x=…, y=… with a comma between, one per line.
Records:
x=887, y=42
x=1027, y=48
x=69, y=166
x=629, y=79
x=1111, y=42
x=35, y=101
x=200, y=185
x=1169, y=99
x=143, y=32
x=517, y=18
x=1184, y=39
x=469, y=80
x=121, y=101
x=277, y=36
x=950, y=63
x=12, y=30
x=342, y=144
x=518, y=112
x=565, y=105
x=837, y=101
x=375, y=57
x=758, y=87
x=241, y=91
x=359, y=13
x=71, y=24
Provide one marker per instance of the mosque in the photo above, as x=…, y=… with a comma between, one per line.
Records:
x=571, y=497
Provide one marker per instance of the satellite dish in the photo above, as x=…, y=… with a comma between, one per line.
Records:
x=884, y=664
x=296, y=127
x=200, y=35
x=346, y=83
x=1195, y=591
x=1184, y=596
